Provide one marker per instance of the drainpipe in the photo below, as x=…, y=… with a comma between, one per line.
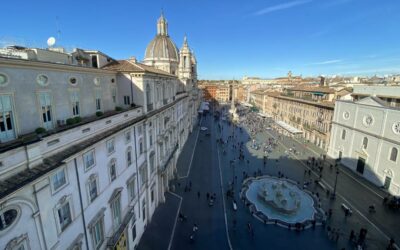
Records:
x=42, y=238
x=137, y=171
x=81, y=203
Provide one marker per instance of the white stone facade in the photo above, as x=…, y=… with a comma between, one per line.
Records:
x=94, y=184
x=366, y=137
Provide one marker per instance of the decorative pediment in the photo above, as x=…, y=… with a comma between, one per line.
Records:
x=372, y=101
x=362, y=152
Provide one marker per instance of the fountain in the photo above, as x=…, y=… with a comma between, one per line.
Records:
x=276, y=200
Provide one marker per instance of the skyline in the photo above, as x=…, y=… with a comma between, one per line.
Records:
x=231, y=39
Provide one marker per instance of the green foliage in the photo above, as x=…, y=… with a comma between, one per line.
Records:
x=70, y=121
x=99, y=113
x=118, y=108
x=77, y=119
x=40, y=130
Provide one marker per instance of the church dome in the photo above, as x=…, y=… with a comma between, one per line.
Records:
x=161, y=47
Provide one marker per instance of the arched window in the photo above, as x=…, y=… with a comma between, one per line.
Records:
x=393, y=154
x=148, y=94
x=343, y=134
x=365, y=143
x=112, y=169
x=129, y=156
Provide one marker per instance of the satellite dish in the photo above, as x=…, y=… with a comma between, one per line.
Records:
x=51, y=41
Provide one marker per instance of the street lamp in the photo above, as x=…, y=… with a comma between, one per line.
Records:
x=334, y=188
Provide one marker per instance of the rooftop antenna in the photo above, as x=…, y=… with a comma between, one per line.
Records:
x=58, y=28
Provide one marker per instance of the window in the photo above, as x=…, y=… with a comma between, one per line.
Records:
x=74, y=99
x=98, y=95
x=393, y=154
x=144, y=209
x=58, y=180
x=45, y=109
x=42, y=80
x=151, y=138
x=365, y=143
x=98, y=233
x=143, y=174
x=6, y=119
x=127, y=100
x=152, y=162
x=112, y=170
x=116, y=211
x=114, y=95
x=73, y=81
x=132, y=188
x=127, y=136
x=88, y=159
x=152, y=195
x=110, y=146
x=129, y=156
x=343, y=134
x=3, y=80
x=7, y=217
x=148, y=94
x=92, y=187
x=94, y=62
x=140, y=129
x=141, y=150
x=64, y=215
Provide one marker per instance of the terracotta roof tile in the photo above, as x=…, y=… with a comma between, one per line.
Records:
x=128, y=66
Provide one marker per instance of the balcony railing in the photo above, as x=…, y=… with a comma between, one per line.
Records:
x=150, y=107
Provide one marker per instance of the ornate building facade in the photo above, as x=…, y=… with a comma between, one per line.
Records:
x=88, y=144
x=308, y=117
x=366, y=139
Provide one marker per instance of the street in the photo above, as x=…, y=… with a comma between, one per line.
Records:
x=202, y=166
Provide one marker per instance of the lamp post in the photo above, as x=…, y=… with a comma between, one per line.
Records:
x=334, y=188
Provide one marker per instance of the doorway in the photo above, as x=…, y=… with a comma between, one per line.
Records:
x=360, y=165
x=388, y=180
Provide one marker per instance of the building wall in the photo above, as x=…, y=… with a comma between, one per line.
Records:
x=351, y=117
x=313, y=119
x=164, y=133
x=22, y=86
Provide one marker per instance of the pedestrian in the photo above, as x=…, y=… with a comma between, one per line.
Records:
x=208, y=195
x=352, y=235
x=198, y=194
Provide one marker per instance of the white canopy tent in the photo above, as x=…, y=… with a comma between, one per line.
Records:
x=290, y=129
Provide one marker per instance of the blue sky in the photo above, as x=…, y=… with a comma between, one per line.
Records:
x=231, y=38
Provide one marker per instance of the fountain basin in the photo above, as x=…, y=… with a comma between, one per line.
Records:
x=280, y=200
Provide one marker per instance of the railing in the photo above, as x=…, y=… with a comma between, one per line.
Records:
x=150, y=107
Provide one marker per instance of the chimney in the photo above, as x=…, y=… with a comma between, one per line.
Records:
x=132, y=59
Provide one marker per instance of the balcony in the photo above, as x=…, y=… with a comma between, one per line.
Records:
x=116, y=235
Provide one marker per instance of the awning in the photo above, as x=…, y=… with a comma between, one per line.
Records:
x=265, y=115
x=289, y=128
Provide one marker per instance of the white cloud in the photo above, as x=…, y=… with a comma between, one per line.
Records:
x=282, y=6
x=327, y=62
